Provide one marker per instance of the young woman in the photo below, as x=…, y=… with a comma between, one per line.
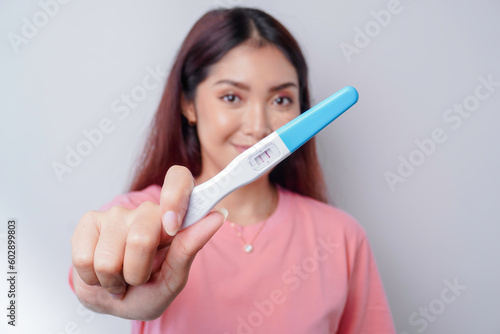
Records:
x=273, y=257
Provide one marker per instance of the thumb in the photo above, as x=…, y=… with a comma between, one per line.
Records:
x=186, y=244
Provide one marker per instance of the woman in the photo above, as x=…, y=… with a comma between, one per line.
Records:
x=282, y=260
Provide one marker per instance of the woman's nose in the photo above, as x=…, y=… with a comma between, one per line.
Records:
x=256, y=122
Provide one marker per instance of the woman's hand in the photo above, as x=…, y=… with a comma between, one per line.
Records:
x=124, y=261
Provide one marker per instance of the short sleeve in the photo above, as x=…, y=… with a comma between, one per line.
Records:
x=366, y=309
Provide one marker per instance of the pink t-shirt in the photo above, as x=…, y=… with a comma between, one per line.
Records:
x=311, y=271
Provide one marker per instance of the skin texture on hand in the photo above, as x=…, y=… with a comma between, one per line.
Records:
x=126, y=264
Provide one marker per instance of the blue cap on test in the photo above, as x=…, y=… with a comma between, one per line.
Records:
x=302, y=128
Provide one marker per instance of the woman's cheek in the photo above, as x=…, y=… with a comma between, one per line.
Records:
x=283, y=119
x=224, y=123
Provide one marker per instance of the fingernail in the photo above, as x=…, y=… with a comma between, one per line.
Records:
x=117, y=296
x=224, y=212
x=170, y=222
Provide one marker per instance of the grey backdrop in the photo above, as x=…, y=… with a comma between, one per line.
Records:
x=415, y=161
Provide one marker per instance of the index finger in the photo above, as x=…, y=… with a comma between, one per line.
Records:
x=174, y=198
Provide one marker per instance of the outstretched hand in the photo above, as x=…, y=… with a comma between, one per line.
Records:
x=133, y=263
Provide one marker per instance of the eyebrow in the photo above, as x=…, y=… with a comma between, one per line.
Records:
x=245, y=87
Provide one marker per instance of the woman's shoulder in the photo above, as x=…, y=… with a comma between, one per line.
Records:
x=323, y=216
x=133, y=199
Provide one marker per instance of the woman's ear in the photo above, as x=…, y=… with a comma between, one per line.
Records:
x=188, y=110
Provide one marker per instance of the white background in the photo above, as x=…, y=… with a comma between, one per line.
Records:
x=441, y=223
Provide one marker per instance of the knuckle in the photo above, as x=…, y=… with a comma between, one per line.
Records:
x=116, y=215
x=82, y=260
x=106, y=263
x=89, y=215
x=144, y=210
x=141, y=241
x=87, y=218
x=116, y=210
x=147, y=205
x=77, y=238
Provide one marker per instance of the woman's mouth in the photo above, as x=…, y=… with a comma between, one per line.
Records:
x=241, y=148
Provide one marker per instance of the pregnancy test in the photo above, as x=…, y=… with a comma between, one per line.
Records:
x=267, y=153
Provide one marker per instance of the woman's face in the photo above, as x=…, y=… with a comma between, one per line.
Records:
x=248, y=94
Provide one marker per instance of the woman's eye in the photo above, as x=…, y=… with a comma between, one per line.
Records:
x=283, y=101
x=231, y=98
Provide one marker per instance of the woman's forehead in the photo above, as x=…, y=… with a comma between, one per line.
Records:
x=249, y=64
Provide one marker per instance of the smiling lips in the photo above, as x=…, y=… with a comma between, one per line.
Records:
x=241, y=148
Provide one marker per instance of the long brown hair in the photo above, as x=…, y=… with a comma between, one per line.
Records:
x=212, y=36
